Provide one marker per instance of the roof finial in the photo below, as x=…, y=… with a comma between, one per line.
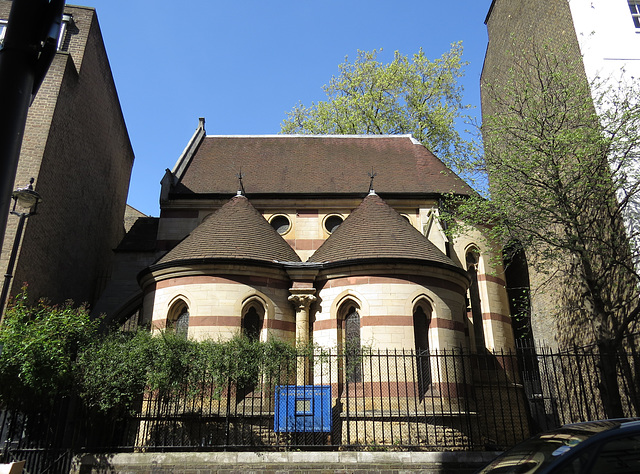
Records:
x=371, y=175
x=240, y=176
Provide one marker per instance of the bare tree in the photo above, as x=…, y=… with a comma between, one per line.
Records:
x=562, y=154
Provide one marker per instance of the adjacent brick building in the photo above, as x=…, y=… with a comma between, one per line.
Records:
x=599, y=42
x=77, y=148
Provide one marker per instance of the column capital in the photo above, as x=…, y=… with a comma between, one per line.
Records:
x=302, y=298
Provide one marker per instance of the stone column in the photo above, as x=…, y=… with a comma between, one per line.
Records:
x=301, y=298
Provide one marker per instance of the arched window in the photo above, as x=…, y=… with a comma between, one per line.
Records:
x=178, y=319
x=351, y=342
x=252, y=321
x=474, y=307
x=421, y=320
x=516, y=275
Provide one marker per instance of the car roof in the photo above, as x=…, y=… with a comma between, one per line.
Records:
x=588, y=434
x=600, y=426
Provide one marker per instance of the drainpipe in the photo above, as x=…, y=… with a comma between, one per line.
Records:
x=25, y=56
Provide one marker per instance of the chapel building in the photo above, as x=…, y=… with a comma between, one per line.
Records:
x=324, y=239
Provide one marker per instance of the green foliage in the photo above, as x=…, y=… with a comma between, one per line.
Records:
x=170, y=362
x=113, y=372
x=563, y=179
x=40, y=344
x=56, y=350
x=416, y=95
x=50, y=351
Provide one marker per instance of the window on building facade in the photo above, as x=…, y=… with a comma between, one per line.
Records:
x=66, y=19
x=178, y=319
x=252, y=322
x=352, y=345
x=634, y=6
x=281, y=224
x=421, y=319
x=182, y=323
x=331, y=223
x=473, y=300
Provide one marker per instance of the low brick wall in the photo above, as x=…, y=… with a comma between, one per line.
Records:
x=281, y=462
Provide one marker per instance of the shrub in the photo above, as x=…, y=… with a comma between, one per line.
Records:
x=40, y=345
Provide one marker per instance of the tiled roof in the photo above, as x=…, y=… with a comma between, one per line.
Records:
x=131, y=215
x=236, y=231
x=284, y=164
x=376, y=231
x=141, y=236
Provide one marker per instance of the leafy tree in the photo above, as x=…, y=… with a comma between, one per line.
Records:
x=40, y=344
x=561, y=157
x=416, y=95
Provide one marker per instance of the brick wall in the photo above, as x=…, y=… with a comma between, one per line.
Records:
x=77, y=148
x=515, y=29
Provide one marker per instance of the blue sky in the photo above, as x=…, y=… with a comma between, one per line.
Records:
x=244, y=64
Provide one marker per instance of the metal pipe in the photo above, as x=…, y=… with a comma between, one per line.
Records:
x=25, y=56
x=12, y=261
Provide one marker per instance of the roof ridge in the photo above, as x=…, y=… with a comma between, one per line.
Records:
x=302, y=135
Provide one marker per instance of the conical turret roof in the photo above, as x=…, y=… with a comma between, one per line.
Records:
x=236, y=231
x=376, y=231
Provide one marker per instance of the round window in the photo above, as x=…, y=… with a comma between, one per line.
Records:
x=281, y=224
x=331, y=223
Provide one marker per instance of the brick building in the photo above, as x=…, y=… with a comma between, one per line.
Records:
x=77, y=148
x=598, y=41
x=301, y=250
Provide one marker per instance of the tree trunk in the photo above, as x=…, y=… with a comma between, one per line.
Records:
x=609, y=388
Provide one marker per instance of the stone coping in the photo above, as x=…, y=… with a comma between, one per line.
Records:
x=316, y=459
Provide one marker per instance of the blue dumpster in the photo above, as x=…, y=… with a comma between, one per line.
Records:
x=303, y=408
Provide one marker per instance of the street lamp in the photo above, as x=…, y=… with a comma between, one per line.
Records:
x=25, y=204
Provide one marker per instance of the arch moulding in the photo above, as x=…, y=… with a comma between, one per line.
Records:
x=184, y=297
x=349, y=294
x=255, y=297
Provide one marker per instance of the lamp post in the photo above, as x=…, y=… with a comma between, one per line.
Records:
x=25, y=204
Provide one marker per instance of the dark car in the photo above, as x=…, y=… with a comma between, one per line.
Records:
x=607, y=446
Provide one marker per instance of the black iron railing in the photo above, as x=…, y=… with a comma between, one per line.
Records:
x=401, y=400
x=471, y=401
